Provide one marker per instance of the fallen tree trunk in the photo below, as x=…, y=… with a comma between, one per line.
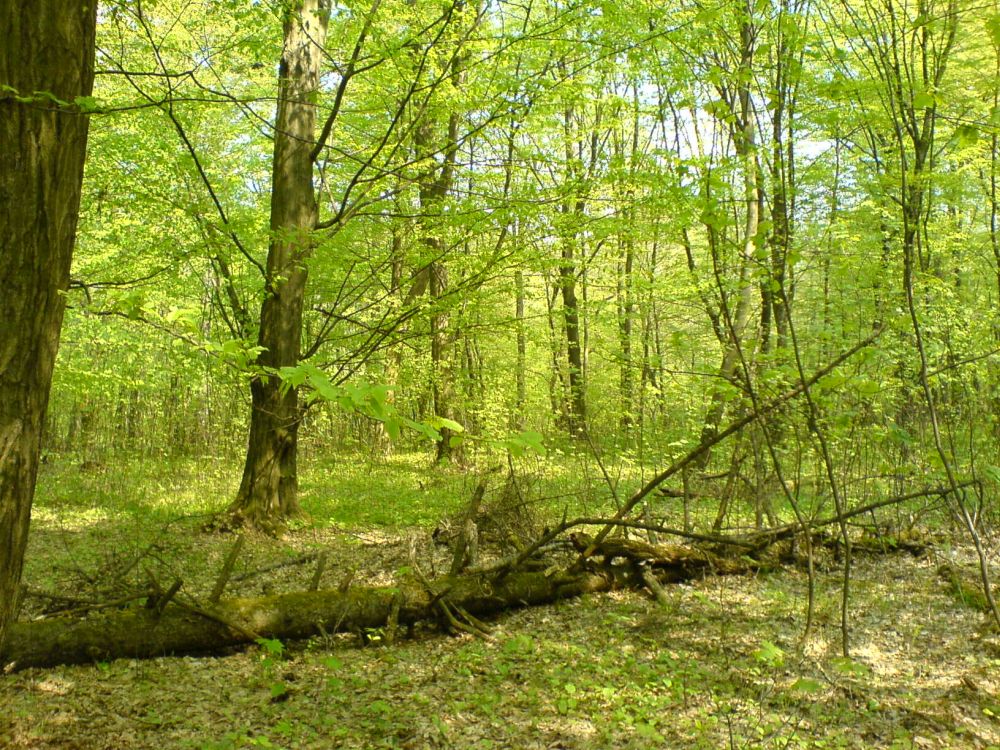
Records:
x=168, y=626
x=181, y=629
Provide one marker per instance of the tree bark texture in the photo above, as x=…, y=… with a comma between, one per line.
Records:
x=48, y=47
x=433, y=189
x=175, y=628
x=269, y=489
x=142, y=633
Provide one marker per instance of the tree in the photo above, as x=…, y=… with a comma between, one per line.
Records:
x=269, y=488
x=46, y=78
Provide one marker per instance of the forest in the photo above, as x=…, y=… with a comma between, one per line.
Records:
x=499, y=374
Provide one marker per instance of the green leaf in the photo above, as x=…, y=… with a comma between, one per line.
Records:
x=832, y=381
x=527, y=440
x=993, y=29
x=443, y=423
x=867, y=388
x=392, y=427
x=923, y=100
x=849, y=667
x=966, y=135
x=272, y=646
x=278, y=689
x=807, y=685
x=87, y=104
x=424, y=429
x=770, y=654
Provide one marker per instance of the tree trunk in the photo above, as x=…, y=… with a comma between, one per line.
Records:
x=175, y=628
x=269, y=489
x=48, y=47
x=141, y=633
x=394, y=356
x=577, y=413
x=626, y=312
x=432, y=192
x=626, y=283
x=745, y=139
x=442, y=361
x=572, y=210
x=522, y=350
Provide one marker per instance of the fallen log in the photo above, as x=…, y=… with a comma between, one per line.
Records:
x=140, y=632
x=168, y=625
x=172, y=627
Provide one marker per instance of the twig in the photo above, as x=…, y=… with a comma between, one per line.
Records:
x=227, y=570
x=164, y=600
x=320, y=567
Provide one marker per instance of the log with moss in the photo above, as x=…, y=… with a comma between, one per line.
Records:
x=173, y=627
x=141, y=632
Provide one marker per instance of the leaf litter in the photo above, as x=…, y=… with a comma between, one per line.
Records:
x=724, y=664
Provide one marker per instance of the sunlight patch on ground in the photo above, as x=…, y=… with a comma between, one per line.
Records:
x=76, y=519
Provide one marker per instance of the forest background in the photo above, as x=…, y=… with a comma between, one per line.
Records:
x=547, y=235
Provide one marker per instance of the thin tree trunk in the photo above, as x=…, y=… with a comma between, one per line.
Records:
x=48, y=47
x=268, y=493
x=626, y=284
x=522, y=350
x=577, y=411
x=744, y=137
x=394, y=357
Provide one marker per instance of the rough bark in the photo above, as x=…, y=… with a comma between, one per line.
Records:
x=268, y=492
x=48, y=47
x=454, y=600
x=433, y=189
x=141, y=633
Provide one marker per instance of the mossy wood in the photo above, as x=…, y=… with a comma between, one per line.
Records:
x=142, y=632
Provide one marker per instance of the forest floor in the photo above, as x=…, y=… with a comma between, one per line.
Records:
x=724, y=664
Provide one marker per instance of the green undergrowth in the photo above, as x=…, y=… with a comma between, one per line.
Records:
x=353, y=489
x=724, y=664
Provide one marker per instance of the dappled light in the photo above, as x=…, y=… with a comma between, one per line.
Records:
x=406, y=374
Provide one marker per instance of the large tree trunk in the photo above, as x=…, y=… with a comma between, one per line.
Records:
x=140, y=633
x=268, y=493
x=48, y=47
x=455, y=600
x=433, y=190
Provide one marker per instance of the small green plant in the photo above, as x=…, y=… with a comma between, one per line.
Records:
x=274, y=651
x=770, y=655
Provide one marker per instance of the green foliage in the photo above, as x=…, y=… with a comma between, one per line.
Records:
x=770, y=655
